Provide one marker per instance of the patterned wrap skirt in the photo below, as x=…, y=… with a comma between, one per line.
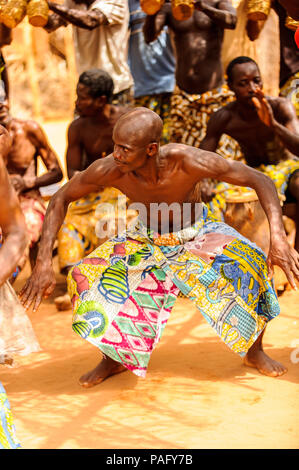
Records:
x=190, y=114
x=160, y=104
x=77, y=236
x=8, y=438
x=124, y=291
x=290, y=90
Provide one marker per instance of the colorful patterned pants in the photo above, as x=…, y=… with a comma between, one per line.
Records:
x=290, y=90
x=190, y=114
x=123, y=292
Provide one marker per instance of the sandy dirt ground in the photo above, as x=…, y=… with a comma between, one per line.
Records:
x=197, y=393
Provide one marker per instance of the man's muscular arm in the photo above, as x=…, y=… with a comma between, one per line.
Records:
x=74, y=152
x=42, y=280
x=254, y=28
x=224, y=15
x=12, y=224
x=154, y=24
x=281, y=118
x=54, y=22
x=48, y=156
x=88, y=19
x=215, y=129
x=211, y=165
x=37, y=137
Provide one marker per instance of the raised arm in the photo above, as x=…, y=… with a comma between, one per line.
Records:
x=42, y=280
x=12, y=225
x=254, y=28
x=154, y=24
x=280, y=116
x=86, y=19
x=201, y=165
x=74, y=151
x=54, y=22
x=224, y=14
x=54, y=174
x=215, y=129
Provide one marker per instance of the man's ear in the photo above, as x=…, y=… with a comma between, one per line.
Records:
x=152, y=148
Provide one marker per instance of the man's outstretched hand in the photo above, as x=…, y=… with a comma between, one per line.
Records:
x=286, y=257
x=40, y=285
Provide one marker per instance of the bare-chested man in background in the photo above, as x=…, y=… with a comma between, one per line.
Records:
x=266, y=128
x=200, y=83
x=89, y=138
x=28, y=142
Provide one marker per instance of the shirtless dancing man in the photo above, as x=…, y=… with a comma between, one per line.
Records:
x=123, y=292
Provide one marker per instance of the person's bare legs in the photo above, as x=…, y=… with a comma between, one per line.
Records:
x=257, y=358
x=102, y=371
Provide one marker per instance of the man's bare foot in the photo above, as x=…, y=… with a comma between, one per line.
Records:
x=63, y=302
x=106, y=368
x=264, y=364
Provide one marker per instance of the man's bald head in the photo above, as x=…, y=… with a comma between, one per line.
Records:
x=141, y=124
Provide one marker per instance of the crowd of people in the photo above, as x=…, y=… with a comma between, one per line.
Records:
x=160, y=125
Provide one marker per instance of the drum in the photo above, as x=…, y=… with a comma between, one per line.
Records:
x=258, y=9
x=245, y=214
x=182, y=9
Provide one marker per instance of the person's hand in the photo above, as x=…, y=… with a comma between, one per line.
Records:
x=21, y=183
x=263, y=108
x=40, y=285
x=286, y=257
x=29, y=181
x=18, y=183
